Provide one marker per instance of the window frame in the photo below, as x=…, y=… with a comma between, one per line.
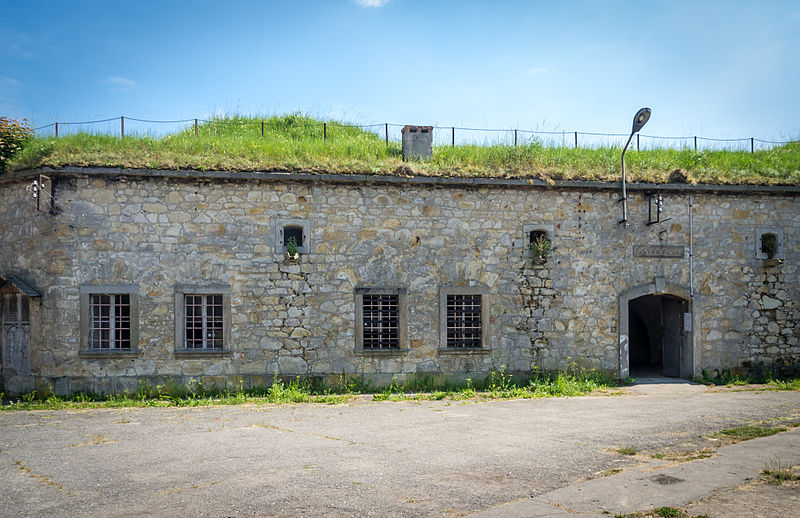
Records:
x=181, y=291
x=303, y=224
x=86, y=291
x=760, y=231
x=548, y=230
x=483, y=291
x=402, y=320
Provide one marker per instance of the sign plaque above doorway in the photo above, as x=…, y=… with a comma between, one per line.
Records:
x=658, y=251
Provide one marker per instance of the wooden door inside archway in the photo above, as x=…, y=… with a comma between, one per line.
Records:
x=16, y=333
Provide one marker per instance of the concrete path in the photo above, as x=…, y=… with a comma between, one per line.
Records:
x=662, y=484
x=659, y=385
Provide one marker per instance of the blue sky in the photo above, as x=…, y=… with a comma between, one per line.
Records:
x=718, y=69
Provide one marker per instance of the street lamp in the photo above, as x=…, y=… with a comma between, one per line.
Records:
x=639, y=120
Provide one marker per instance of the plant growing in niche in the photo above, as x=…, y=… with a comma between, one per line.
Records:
x=291, y=249
x=769, y=244
x=541, y=248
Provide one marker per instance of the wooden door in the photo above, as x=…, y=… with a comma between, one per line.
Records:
x=672, y=336
x=16, y=334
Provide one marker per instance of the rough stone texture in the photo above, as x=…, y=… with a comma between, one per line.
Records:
x=298, y=319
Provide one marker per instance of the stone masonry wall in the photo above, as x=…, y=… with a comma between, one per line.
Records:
x=299, y=319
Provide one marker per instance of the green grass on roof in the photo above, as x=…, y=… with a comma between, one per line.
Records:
x=295, y=143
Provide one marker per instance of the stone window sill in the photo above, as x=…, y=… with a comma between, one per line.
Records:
x=107, y=355
x=204, y=354
x=381, y=353
x=463, y=350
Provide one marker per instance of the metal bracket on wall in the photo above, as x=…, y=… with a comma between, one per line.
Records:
x=655, y=204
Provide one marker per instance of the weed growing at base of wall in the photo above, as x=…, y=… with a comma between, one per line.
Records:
x=726, y=378
x=497, y=385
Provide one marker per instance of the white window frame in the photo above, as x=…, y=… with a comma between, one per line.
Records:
x=204, y=290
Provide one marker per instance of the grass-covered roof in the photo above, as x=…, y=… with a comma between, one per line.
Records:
x=294, y=143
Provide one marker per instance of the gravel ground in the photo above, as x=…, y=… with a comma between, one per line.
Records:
x=363, y=458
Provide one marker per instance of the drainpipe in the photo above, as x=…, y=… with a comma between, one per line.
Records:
x=691, y=248
x=691, y=283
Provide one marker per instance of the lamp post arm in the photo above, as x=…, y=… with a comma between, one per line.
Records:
x=624, y=198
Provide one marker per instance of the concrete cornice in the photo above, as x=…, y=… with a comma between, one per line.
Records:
x=365, y=179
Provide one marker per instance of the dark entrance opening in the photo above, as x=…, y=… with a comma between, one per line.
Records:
x=659, y=344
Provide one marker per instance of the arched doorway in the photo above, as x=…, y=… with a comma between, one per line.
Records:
x=656, y=331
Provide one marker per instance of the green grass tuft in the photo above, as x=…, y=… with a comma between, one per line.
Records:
x=775, y=473
x=745, y=433
x=627, y=450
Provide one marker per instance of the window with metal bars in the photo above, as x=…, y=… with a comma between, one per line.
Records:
x=110, y=321
x=203, y=322
x=381, y=329
x=464, y=322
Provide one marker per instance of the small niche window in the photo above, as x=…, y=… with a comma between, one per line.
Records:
x=464, y=318
x=536, y=235
x=380, y=319
x=769, y=243
x=285, y=229
x=292, y=231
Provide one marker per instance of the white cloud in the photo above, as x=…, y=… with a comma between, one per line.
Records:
x=537, y=70
x=119, y=83
x=15, y=50
x=372, y=3
x=9, y=83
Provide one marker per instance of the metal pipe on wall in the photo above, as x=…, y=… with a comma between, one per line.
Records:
x=691, y=247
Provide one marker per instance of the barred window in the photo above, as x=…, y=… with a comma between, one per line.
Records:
x=110, y=321
x=381, y=321
x=203, y=321
x=464, y=322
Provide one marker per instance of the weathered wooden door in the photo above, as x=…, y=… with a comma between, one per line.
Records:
x=672, y=336
x=16, y=334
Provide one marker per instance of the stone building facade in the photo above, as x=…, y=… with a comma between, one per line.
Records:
x=115, y=276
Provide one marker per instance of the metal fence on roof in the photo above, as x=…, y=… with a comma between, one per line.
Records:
x=443, y=135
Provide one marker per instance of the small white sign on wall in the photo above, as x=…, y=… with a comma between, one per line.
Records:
x=687, y=322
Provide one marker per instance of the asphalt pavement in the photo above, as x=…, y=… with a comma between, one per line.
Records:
x=365, y=458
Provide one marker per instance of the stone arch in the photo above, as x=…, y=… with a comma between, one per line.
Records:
x=658, y=286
